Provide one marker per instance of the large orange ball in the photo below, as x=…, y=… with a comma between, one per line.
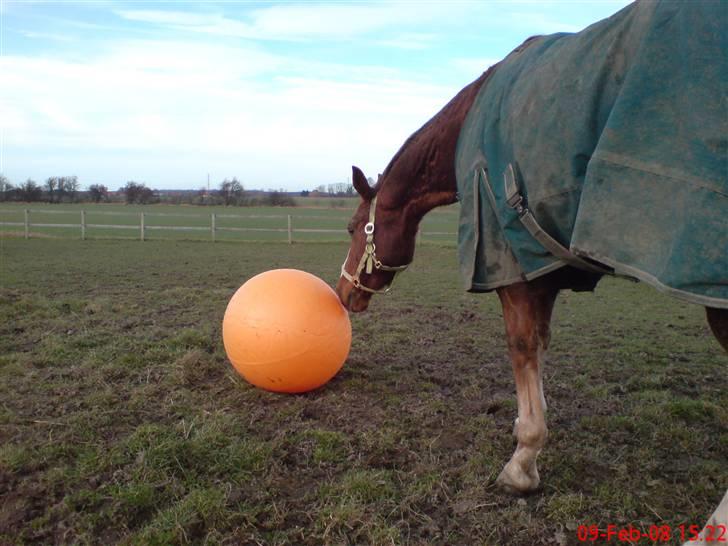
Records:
x=285, y=330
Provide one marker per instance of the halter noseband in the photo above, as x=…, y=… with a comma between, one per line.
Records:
x=369, y=259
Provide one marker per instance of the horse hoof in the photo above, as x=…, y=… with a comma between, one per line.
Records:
x=516, y=482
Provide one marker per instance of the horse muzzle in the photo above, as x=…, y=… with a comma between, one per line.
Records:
x=351, y=298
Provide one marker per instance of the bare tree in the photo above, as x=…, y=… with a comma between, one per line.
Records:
x=6, y=189
x=51, y=184
x=200, y=196
x=131, y=192
x=60, y=188
x=98, y=193
x=231, y=191
x=339, y=189
x=30, y=191
x=147, y=196
x=279, y=199
x=135, y=192
x=71, y=187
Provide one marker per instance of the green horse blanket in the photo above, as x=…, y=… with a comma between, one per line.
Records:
x=613, y=143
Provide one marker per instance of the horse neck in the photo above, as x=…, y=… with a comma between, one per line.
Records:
x=424, y=168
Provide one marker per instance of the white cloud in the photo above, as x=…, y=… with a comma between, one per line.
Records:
x=538, y=23
x=332, y=20
x=177, y=18
x=207, y=107
x=411, y=40
x=47, y=36
x=57, y=115
x=295, y=22
x=191, y=22
x=167, y=111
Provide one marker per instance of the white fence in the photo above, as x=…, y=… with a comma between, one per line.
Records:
x=142, y=227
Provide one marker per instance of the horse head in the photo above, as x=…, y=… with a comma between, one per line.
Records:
x=382, y=244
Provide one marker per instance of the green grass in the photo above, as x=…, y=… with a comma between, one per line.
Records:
x=121, y=422
x=439, y=226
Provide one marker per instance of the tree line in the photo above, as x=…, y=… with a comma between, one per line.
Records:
x=66, y=189
x=56, y=189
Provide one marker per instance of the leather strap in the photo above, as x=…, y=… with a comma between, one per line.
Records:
x=369, y=260
x=515, y=200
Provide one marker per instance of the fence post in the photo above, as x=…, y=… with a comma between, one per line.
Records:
x=290, y=231
x=212, y=226
x=27, y=224
x=141, y=225
x=83, y=225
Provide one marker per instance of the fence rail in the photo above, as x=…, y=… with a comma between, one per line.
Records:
x=213, y=228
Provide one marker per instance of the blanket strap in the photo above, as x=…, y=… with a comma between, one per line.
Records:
x=515, y=201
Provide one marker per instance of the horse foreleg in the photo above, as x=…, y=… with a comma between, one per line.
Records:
x=713, y=530
x=527, y=313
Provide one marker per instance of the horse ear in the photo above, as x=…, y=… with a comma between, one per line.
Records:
x=361, y=185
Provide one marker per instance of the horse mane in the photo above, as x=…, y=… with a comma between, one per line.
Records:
x=436, y=138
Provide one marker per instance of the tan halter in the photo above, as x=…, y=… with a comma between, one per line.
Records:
x=369, y=258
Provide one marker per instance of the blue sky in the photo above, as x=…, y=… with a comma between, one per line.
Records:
x=279, y=94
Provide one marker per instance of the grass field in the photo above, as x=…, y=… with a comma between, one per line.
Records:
x=439, y=226
x=122, y=422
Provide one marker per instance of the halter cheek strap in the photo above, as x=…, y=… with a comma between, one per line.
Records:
x=369, y=259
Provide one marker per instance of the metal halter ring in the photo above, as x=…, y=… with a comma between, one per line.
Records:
x=369, y=259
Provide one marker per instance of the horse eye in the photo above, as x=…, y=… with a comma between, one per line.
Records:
x=350, y=229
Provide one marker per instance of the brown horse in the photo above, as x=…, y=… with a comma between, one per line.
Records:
x=420, y=177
